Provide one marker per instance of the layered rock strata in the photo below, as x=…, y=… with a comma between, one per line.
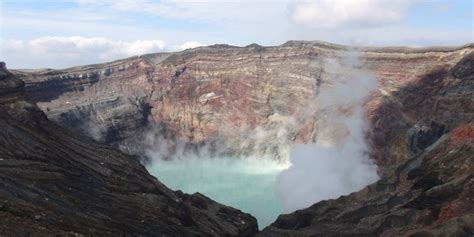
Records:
x=230, y=96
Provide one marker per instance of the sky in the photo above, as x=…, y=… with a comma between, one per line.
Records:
x=64, y=33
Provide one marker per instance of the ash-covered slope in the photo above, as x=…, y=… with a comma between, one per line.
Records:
x=222, y=93
x=56, y=183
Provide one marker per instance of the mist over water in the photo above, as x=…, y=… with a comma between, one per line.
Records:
x=247, y=184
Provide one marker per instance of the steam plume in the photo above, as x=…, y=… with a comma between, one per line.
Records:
x=338, y=163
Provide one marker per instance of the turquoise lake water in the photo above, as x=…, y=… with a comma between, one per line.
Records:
x=246, y=184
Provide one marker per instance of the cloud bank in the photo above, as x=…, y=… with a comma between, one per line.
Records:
x=75, y=50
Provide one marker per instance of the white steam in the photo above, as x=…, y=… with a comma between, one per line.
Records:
x=338, y=163
x=95, y=130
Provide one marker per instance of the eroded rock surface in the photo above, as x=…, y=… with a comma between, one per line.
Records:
x=54, y=182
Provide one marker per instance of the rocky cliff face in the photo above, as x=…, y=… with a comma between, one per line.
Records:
x=254, y=91
x=57, y=183
x=260, y=99
x=107, y=102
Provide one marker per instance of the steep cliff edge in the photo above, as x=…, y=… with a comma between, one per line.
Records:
x=194, y=94
x=56, y=183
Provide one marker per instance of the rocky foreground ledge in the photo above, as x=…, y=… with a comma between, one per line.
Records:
x=56, y=183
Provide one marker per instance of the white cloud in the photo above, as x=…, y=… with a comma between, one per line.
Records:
x=77, y=44
x=186, y=45
x=69, y=51
x=190, y=45
x=330, y=13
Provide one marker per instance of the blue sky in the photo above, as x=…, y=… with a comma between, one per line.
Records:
x=64, y=33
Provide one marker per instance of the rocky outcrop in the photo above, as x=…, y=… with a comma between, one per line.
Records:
x=54, y=182
x=421, y=136
x=224, y=95
x=427, y=195
x=11, y=89
x=465, y=68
